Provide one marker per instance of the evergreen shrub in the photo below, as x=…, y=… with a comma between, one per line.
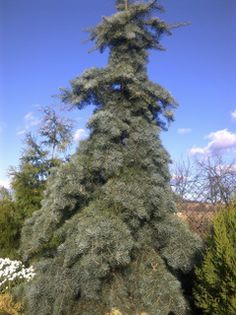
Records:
x=10, y=227
x=215, y=291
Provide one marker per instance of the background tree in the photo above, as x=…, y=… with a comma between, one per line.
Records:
x=10, y=224
x=217, y=180
x=184, y=179
x=39, y=156
x=29, y=180
x=107, y=235
x=5, y=193
x=210, y=180
x=55, y=131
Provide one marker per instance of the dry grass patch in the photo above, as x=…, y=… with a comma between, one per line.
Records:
x=8, y=306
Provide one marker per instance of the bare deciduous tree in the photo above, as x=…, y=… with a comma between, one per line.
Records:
x=183, y=179
x=209, y=180
x=217, y=179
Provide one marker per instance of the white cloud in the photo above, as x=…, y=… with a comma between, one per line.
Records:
x=233, y=114
x=197, y=150
x=79, y=135
x=29, y=121
x=5, y=183
x=183, y=131
x=221, y=141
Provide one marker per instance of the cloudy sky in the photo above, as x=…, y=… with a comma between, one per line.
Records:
x=42, y=48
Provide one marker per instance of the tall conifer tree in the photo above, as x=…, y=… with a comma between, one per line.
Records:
x=107, y=235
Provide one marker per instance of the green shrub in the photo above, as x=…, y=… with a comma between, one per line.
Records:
x=215, y=291
x=10, y=226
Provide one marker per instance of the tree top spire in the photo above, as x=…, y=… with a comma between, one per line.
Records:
x=122, y=5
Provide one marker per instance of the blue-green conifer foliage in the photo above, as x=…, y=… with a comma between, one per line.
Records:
x=107, y=235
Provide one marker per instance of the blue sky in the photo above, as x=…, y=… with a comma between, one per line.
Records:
x=42, y=49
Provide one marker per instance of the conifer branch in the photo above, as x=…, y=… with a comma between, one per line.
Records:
x=155, y=5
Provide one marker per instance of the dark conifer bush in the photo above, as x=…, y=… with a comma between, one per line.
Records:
x=10, y=225
x=215, y=291
x=107, y=235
